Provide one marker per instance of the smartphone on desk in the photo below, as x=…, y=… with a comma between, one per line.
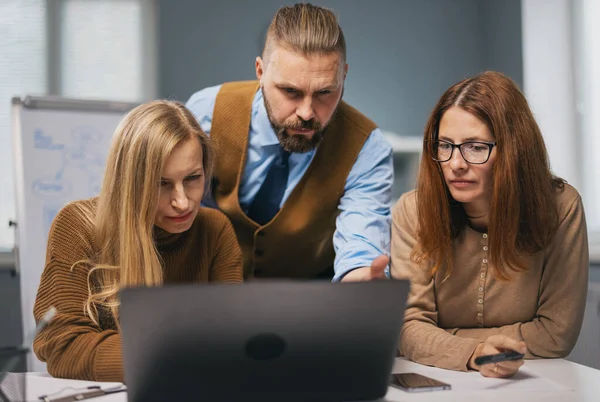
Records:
x=413, y=382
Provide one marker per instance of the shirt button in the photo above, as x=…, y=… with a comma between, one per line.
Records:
x=485, y=260
x=481, y=289
x=485, y=235
x=480, y=301
x=485, y=248
x=483, y=275
x=479, y=314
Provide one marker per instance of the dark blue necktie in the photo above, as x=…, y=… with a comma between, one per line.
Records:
x=267, y=200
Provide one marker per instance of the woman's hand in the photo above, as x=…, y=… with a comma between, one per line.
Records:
x=498, y=344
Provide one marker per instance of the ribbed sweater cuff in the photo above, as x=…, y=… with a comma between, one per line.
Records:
x=108, y=364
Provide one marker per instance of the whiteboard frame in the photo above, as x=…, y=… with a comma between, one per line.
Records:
x=53, y=102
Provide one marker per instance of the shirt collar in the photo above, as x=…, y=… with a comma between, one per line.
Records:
x=260, y=123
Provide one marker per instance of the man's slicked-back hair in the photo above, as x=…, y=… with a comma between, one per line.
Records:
x=306, y=29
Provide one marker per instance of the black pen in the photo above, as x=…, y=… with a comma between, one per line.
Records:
x=497, y=358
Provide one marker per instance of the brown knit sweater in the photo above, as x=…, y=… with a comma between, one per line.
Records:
x=72, y=345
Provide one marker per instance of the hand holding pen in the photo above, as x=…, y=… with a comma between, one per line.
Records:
x=499, y=356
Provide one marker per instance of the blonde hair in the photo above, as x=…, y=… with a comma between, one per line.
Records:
x=306, y=29
x=128, y=200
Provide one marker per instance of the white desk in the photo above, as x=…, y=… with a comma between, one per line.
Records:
x=538, y=380
x=548, y=380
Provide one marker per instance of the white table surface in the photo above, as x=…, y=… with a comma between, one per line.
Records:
x=562, y=381
x=538, y=380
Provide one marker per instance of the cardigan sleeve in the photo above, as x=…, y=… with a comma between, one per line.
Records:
x=421, y=340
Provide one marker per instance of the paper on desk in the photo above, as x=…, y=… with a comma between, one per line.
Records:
x=37, y=385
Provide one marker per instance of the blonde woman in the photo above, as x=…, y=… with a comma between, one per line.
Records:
x=146, y=228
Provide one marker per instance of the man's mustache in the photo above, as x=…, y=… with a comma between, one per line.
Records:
x=304, y=125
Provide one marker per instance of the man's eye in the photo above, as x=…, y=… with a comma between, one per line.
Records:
x=290, y=91
x=324, y=92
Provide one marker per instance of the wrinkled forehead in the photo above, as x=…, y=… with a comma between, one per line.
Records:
x=305, y=70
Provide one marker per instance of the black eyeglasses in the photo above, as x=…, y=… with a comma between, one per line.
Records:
x=474, y=152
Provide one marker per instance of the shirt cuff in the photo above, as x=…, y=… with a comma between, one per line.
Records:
x=339, y=275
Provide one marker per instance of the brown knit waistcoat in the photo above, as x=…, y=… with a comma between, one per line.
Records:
x=298, y=241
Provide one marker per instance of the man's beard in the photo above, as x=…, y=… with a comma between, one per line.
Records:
x=295, y=142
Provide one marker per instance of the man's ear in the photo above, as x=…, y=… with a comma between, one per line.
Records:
x=260, y=71
x=345, y=71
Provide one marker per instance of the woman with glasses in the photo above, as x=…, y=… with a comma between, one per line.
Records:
x=494, y=244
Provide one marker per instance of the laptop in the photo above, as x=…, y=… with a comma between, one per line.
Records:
x=261, y=341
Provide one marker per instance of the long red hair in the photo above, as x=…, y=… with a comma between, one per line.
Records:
x=523, y=215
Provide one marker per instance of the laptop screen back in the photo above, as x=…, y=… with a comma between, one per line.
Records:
x=267, y=341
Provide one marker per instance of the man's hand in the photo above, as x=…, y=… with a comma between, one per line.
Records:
x=375, y=271
x=498, y=344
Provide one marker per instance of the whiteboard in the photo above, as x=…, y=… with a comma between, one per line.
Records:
x=60, y=148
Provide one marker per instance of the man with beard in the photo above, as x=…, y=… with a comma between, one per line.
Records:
x=304, y=177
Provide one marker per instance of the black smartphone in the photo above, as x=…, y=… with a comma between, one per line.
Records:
x=413, y=382
x=499, y=357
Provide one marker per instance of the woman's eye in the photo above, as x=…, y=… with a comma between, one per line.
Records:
x=476, y=148
x=193, y=177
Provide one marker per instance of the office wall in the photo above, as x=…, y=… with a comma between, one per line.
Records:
x=549, y=84
x=502, y=37
x=402, y=53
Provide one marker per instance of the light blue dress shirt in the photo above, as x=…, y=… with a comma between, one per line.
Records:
x=363, y=225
